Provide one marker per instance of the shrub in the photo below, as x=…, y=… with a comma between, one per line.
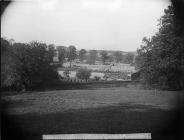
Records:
x=135, y=76
x=97, y=78
x=83, y=74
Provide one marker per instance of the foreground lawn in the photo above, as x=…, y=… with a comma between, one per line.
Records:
x=108, y=110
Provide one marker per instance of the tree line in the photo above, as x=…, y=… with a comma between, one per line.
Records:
x=30, y=65
x=27, y=65
x=90, y=57
x=160, y=58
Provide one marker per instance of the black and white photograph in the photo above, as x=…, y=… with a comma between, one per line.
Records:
x=92, y=69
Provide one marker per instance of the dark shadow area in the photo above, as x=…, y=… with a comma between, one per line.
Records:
x=74, y=86
x=123, y=118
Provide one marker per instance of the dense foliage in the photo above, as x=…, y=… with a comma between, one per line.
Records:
x=83, y=74
x=71, y=54
x=118, y=56
x=128, y=58
x=82, y=54
x=104, y=56
x=61, y=54
x=92, y=57
x=9, y=67
x=27, y=66
x=160, y=58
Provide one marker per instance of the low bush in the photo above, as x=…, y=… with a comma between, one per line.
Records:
x=83, y=74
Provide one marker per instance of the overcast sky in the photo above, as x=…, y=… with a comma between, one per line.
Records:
x=88, y=24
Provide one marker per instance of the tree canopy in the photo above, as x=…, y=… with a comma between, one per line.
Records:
x=92, y=57
x=71, y=53
x=160, y=59
x=61, y=54
x=27, y=65
x=118, y=56
x=82, y=53
x=83, y=74
x=104, y=56
x=128, y=58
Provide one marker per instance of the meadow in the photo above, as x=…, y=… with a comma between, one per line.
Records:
x=101, y=110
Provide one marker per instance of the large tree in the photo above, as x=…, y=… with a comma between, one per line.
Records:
x=9, y=65
x=104, y=56
x=36, y=68
x=71, y=53
x=61, y=54
x=83, y=74
x=160, y=58
x=128, y=58
x=92, y=57
x=29, y=66
x=118, y=56
x=82, y=53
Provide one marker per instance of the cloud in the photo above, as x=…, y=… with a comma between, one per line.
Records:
x=97, y=24
x=110, y=5
x=48, y=4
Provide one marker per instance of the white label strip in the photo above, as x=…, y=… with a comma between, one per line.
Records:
x=97, y=136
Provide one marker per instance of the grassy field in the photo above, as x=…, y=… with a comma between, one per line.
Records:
x=104, y=110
